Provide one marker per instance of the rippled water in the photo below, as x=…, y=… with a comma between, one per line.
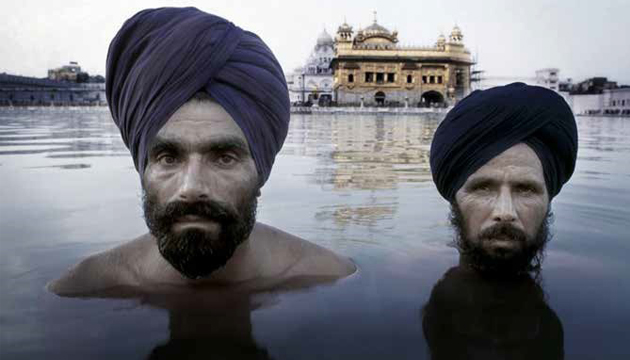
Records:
x=359, y=185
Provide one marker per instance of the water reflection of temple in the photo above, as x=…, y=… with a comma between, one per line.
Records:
x=364, y=152
x=370, y=213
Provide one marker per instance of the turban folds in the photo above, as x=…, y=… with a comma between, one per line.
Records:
x=160, y=58
x=486, y=123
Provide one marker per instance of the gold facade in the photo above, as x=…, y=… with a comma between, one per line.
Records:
x=370, y=68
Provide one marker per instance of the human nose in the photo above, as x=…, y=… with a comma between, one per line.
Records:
x=195, y=184
x=504, y=210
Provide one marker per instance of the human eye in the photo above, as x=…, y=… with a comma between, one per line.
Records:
x=480, y=187
x=526, y=189
x=227, y=159
x=166, y=159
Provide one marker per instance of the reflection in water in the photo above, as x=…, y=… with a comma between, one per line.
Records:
x=208, y=325
x=604, y=134
x=376, y=209
x=469, y=317
x=51, y=218
x=65, y=167
x=364, y=152
x=66, y=132
x=362, y=215
x=212, y=322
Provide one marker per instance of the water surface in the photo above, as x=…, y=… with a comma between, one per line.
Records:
x=359, y=185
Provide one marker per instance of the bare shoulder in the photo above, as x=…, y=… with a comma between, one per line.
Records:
x=100, y=271
x=308, y=259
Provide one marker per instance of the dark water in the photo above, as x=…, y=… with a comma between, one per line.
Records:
x=359, y=185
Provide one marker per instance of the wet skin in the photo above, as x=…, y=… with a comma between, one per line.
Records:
x=202, y=154
x=509, y=189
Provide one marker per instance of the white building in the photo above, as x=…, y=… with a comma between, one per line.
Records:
x=609, y=102
x=548, y=78
x=585, y=104
x=487, y=81
x=617, y=101
x=314, y=81
x=614, y=101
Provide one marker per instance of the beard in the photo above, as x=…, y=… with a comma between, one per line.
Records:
x=196, y=253
x=527, y=259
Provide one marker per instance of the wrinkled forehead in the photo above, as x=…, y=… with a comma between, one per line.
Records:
x=520, y=162
x=200, y=121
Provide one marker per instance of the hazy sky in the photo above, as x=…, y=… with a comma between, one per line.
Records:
x=583, y=38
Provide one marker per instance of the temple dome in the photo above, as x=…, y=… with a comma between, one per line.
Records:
x=377, y=34
x=324, y=39
x=376, y=29
x=456, y=34
x=344, y=27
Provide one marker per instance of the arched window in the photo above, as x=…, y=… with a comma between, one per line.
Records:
x=379, y=97
x=409, y=79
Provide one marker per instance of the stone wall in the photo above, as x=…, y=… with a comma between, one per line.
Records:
x=51, y=97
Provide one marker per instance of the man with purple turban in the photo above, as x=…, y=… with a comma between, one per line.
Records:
x=499, y=157
x=203, y=107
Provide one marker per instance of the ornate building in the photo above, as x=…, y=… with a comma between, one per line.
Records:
x=371, y=68
x=68, y=72
x=313, y=82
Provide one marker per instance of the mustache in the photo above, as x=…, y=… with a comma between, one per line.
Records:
x=503, y=231
x=212, y=210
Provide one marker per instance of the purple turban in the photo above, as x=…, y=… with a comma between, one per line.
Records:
x=486, y=123
x=160, y=58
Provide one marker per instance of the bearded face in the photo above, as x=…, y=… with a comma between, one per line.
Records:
x=501, y=214
x=196, y=252
x=200, y=188
x=526, y=254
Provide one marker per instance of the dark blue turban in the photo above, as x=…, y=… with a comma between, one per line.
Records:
x=160, y=58
x=486, y=123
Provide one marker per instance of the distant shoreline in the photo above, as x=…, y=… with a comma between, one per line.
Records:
x=53, y=107
x=366, y=110
x=605, y=115
x=311, y=110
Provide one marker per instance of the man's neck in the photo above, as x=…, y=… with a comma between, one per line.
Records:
x=247, y=263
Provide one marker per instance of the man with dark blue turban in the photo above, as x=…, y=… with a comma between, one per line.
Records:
x=499, y=157
x=203, y=107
